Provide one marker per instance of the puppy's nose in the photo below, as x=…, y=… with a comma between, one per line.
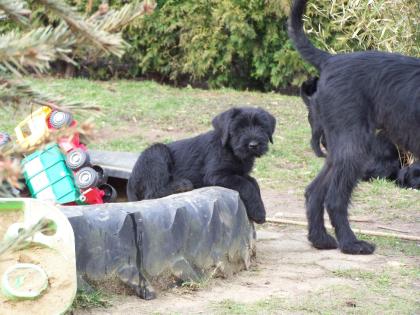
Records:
x=253, y=144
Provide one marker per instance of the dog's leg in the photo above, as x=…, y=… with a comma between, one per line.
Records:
x=248, y=190
x=315, y=195
x=345, y=173
x=254, y=182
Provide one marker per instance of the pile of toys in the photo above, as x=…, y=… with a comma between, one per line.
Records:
x=61, y=170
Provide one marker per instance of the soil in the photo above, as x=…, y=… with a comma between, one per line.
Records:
x=8, y=218
x=61, y=286
x=285, y=267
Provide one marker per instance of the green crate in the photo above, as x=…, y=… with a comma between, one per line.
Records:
x=48, y=177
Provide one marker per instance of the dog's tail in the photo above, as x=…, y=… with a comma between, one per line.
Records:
x=302, y=44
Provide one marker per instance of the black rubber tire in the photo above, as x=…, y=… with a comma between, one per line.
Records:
x=4, y=138
x=60, y=119
x=86, y=177
x=77, y=158
x=110, y=193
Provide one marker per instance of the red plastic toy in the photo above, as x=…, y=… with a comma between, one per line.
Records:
x=90, y=180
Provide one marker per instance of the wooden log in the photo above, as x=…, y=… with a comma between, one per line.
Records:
x=357, y=230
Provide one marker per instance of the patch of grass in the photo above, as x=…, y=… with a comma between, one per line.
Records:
x=267, y=306
x=385, y=289
x=203, y=282
x=393, y=246
x=133, y=144
x=378, y=197
x=379, y=292
x=360, y=299
x=130, y=109
x=93, y=299
x=380, y=280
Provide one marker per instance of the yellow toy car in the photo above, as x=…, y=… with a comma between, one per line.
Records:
x=33, y=129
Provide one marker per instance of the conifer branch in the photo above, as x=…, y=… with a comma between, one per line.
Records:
x=110, y=43
x=16, y=10
x=35, y=49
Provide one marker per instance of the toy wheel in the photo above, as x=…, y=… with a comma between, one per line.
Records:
x=77, y=158
x=86, y=177
x=59, y=119
x=4, y=138
x=110, y=193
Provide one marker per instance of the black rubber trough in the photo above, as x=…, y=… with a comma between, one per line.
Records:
x=151, y=245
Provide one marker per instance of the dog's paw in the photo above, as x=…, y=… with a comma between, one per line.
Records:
x=357, y=247
x=323, y=241
x=258, y=220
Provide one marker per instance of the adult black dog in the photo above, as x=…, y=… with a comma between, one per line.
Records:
x=222, y=157
x=384, y=158
x=357, y=93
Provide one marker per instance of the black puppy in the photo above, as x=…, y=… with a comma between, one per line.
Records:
x=357, y=94
x=222, y=157
x=384, y=158
x=409, y=176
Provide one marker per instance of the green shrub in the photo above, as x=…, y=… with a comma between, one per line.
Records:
x=244, y=43
x=351, y=25
x=239, y=43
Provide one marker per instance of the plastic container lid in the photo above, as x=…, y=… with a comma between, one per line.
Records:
x=24, y=281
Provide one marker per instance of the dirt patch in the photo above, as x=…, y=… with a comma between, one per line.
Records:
x=291, y=205
x=149, y=134
x=8, y=218
x=285, y=267
x=60, y=286
x=159, y=135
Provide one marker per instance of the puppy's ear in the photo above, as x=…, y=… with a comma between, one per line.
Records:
x=269, y=124
x=222, y=122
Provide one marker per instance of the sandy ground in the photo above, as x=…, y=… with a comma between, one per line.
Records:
x=286, y=267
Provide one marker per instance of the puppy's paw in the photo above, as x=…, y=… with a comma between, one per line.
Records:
x=258, y=220
x=256, y=216
x=323, y=241
x=357, y=247
x=182, y=185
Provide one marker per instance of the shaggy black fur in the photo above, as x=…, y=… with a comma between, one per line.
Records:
x=307, y=91
x=409, y=176
x=222, y=157
x=357, y=93
x=384, y=159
